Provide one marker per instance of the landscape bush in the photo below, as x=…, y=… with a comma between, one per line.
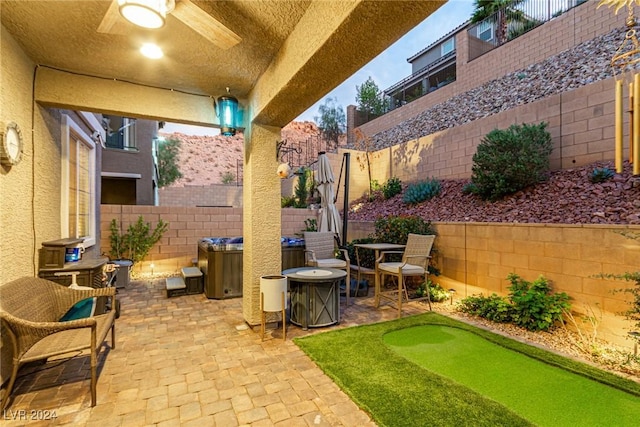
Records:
x=137, y=241
x=421, y=191
x=396, y=229
x=600, y=175
x=392, y=187
x=510, y=160
x=436, y=292
x=530, y=305
x=287, y=201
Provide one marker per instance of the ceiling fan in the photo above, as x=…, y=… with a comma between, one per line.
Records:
x=114, y=21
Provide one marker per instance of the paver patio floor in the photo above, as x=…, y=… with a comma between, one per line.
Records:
x=192, y=361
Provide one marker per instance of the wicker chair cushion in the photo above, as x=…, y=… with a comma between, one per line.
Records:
x=407, y=270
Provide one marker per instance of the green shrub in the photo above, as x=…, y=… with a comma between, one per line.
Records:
x=227, y=177
x=421, y=191
x=375, y=191
x=301, y=191
x=137, y=241
x=493, y=307
x=530, y=305
x=601, y=175
x=287, y=201
x=469, y=188
x=367, y=258
x=535, y=307
x=392, y=187
x=509, y=160
x=396, y=229
x=436, y=292
x=310, y=224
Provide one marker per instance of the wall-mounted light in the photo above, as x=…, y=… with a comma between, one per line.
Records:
x=227, y=112
x=146, y=13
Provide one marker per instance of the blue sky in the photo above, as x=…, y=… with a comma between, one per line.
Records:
x=391, y=66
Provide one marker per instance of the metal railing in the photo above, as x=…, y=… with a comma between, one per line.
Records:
x=512, y=22
x=305, y=152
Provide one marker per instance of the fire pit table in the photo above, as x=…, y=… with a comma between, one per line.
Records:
x=315, y=295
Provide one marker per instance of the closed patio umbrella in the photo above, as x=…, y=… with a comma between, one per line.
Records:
x=329, y=217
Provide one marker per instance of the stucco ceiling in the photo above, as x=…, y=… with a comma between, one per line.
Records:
x=63, y=35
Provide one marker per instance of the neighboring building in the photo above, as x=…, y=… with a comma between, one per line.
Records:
x=431, y=68
x=435, y=66
x=129, y=173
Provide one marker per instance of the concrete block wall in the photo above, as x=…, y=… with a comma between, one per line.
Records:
x=210, y=195
x=187, y=225
x=476, y=258
x=581, y=124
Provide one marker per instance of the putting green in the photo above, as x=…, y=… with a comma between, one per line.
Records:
x=543, y=394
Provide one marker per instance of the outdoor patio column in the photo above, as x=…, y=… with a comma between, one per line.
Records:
x=261, y=216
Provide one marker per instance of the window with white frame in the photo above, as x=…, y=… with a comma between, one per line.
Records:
x=447, y=46
x=78, y=201
x=485, y=30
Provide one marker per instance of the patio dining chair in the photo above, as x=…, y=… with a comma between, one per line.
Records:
x=415, y=262
x=320, y=251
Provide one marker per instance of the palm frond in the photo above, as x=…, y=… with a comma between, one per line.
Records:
x=618, y=4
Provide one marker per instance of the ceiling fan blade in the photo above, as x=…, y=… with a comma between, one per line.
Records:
x=205, y=25
x=110, y=18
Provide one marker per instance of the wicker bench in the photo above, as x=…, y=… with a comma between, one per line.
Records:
x=31, y=309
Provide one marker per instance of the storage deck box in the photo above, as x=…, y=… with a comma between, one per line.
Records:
x=193, y=279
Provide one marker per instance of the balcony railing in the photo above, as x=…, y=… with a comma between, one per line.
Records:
x=512, y=22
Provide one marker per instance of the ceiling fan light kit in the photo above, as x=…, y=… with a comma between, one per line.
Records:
x=145, y=13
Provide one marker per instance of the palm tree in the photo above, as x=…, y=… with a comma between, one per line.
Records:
x=505, y=11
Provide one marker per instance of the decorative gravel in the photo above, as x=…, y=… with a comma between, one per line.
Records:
x=567, y=197
x=581, y=65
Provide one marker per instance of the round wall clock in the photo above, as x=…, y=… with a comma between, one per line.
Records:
x=11, y=146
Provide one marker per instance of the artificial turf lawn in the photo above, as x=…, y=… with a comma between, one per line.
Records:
x=544, y=394
x=396, y=392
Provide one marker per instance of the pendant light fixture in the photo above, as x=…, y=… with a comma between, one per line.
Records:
x=227, y=112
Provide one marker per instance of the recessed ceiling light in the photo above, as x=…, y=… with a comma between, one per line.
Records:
x=151, y=50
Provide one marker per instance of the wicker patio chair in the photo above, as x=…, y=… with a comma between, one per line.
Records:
x=320, y=250
x=415, y=262
x=31, y=309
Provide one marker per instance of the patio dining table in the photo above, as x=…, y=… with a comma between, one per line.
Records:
x=376, y=248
